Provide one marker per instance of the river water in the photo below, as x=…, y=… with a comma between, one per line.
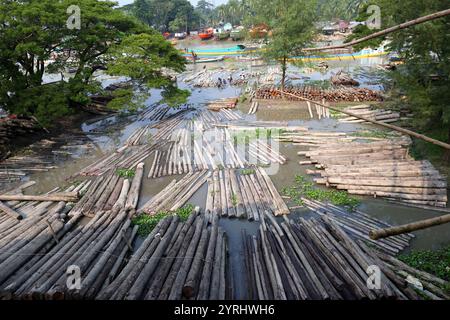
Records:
x=109, y=134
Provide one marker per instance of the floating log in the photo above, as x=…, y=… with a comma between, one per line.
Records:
x=56, y=197
x=410, y=227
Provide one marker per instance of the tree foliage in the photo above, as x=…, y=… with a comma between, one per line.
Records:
x=292, y=27
x=36, y=42
x=422, y=83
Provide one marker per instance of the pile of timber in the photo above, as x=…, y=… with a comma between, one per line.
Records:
x=382, y=115
x=50, y=242
x=210, y=118
x=234, y=194
x=217, y=105
x=343, y=79
x=379, y=169
x=316, y=259
x=139, y=137
x=253, y=107
x=334, y=94
x=176, y=261
x=192, y=149
x=310, y=138
x=176, y=194
x=156, y=113
x=358, y=224
x=125, y=157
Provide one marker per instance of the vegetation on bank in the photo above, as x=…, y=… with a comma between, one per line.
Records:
x=147, y=222
x=436, y=262
x=421, y=84
x=306, y=189
x=37, y=41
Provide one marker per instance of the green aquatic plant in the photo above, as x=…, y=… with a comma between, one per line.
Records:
x=380, y=134
x=306, y=189
x=436, y=262
x=147, y=223
x=247, y=172
x=126, y=173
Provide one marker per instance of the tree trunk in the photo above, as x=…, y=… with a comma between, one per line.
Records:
x=283, y=77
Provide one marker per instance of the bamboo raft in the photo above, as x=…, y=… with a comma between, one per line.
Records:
x=334, y=94
x=379, y=169
x=236, y=195
x=386, y=116
x=217, y=105
x=176, y=261
x=315, y=259
x=358, y=224
x=52, y=238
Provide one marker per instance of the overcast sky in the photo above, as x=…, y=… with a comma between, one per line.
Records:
x=194, y=2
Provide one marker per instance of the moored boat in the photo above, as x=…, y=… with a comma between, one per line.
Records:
x=206, y=34
x=238, y=33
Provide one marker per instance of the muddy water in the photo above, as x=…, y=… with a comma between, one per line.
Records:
x=109, y=134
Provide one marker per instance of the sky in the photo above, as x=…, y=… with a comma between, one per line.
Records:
x=194, y=2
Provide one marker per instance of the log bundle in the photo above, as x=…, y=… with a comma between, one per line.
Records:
x=379, y=169
x=240, y=195
x=193, y=149
x=176, y=194
x=359, y=224
x=343, y=79
x=382, y=115
x=316, y=259
x=334, y=94
x=217, y=105
x=176, y=261
x=52, y=239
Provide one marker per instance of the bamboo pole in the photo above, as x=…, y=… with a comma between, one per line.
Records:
x=401, y=26
x=386, y=125
x=406, y=228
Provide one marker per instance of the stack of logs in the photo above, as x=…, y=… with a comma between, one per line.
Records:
x=176, y=261
x=176, y=194
x=379, y=169
x=386, y=116
x=247, y=194
x=343, y=79
x=218, y=105
x=51, y=241
x=358, y=224
x=334, y=94
x=316, y=259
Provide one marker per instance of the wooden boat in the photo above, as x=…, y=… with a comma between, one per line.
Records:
x=180, y=35
x=222, y=35
x=206, y=34
x=238, y=33
x=206, y=60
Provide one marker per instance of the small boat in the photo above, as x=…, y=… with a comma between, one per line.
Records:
x=238, y=33
x=206, y=34
x=180, y=35
x=222, y=35
x=206, y=60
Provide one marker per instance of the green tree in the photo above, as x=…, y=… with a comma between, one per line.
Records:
x=422, y=83
x=34, y=32
x=292, y=26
